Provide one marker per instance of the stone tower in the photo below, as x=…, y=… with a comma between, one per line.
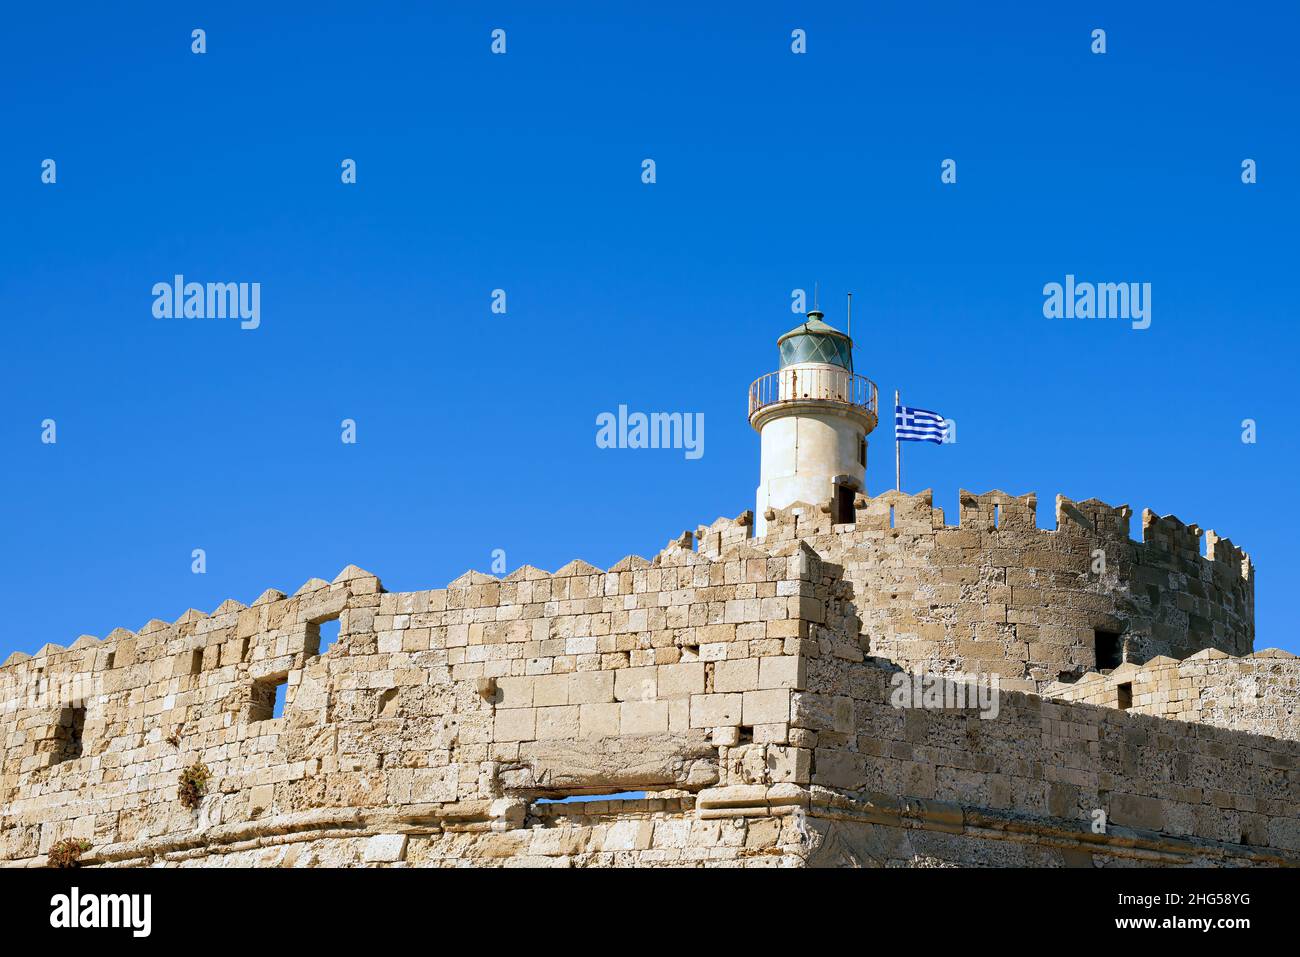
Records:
x=813, y=416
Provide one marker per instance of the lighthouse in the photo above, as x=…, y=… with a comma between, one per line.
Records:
x=813, y=416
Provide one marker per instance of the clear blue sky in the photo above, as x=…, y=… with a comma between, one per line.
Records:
x=477, y=431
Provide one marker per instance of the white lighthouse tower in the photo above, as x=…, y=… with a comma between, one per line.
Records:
x=813, y=416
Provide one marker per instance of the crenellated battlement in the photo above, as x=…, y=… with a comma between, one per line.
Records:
x=1045, y=593
x=1167, y=544
x=712, y=539
x=997, y=510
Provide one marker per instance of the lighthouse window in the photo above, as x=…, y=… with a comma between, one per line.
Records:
x=862, y=452
x=809, y=348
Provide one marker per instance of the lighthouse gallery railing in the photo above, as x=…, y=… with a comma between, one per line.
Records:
x=795, y=384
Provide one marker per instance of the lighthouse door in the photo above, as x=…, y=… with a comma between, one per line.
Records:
x=843, y=506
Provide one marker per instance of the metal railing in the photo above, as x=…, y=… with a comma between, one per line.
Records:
x=795, y=385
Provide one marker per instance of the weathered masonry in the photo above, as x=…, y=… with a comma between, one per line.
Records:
x=740, y=687
x=743, y=684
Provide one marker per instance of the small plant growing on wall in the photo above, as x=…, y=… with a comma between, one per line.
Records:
x=194, y=781
x=67, y=852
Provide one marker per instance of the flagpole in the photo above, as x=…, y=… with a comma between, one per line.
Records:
x=898, y=450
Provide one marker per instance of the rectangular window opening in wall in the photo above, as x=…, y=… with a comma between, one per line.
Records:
x=321, y=635
x=268, y=698
x=862, y=452
x=583, y=798
x=843, y=505
x=997, y=515
x=68, y=734
x=196, y=661
x=112, y=657
x=1106, y=645
x=1125, y=696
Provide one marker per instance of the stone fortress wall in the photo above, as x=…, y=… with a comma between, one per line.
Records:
x=743, y=684
x=1258, y=692
x=995, y=593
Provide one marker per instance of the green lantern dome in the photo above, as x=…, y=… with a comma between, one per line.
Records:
x=815, y=341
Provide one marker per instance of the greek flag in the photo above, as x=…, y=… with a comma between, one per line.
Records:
x=918, y=425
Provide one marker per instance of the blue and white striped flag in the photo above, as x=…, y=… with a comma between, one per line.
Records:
x=918, y=425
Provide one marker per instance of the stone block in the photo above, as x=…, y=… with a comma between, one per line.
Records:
x=840, y=769
x=820, y=712
x=765, y=707
x=635, y=684
x=643, y=717
x=385, y=849
x=789, y=765
x=560, y=721
x=591, y=687
x=680, y=680
x=598, y=720
x=782, y=671
x=551, y=690
x=515, y=724
x=738, y=675
x=514, y=692
x=715, y=710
